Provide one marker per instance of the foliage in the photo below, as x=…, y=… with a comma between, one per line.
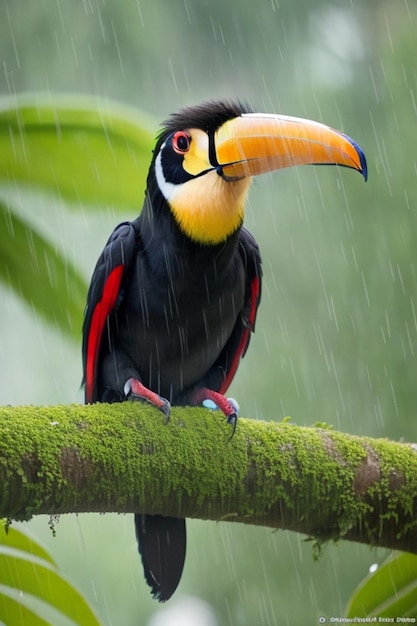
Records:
x=390, y=592
x=32, y=591
x=86, y=151
x=40, y=273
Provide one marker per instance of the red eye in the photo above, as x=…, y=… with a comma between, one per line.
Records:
x=181, y=142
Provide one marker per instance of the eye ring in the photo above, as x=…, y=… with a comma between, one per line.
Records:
x=181, y=142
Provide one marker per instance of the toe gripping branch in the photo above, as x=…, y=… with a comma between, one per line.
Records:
x=135, y=390
x=228, y=407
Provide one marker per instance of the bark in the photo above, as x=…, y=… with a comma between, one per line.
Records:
x=124, y=458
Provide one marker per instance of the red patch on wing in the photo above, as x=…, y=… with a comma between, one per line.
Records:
x=98, y=320
x=244, y=341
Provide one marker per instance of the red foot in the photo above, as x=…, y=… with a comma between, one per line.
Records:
x=221, y=401
x=135, y=390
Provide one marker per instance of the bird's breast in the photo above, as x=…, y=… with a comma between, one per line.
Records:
x=174, y=330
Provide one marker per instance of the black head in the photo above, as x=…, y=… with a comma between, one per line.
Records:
x=184, y=173
x=206, y=156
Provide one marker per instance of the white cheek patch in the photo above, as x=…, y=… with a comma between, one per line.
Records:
x=167, y=189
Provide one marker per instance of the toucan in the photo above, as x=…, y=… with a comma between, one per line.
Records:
x=173, y=298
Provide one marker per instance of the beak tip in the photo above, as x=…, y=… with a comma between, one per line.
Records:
x=363, y=166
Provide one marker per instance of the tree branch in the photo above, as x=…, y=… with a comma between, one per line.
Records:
x=122, y=457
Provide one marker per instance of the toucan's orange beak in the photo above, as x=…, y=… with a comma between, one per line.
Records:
x=256, y=143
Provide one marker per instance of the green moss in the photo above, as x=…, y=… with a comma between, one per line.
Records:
x=398, y=485
x=308, y=462
x=124, y=457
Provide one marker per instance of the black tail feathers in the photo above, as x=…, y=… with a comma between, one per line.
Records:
x=162, y=544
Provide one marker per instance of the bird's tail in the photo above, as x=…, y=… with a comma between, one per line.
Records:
x=161, y=543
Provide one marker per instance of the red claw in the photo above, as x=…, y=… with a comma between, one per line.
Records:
x=223, y=403
x=135, y=390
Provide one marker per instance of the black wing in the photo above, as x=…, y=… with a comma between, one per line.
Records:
x=238, y=342
x=104, y=294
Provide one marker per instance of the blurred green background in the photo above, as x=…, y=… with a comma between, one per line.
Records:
x=337, y=329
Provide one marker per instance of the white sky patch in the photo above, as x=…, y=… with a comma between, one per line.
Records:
x=185, y=611
x=337, y=43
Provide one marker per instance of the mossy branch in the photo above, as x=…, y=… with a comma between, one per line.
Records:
x=124, y=458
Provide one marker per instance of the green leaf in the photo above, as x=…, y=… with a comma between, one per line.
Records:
x=390, y=592
x=13, y=612
x=85, y=149
x=40, y=274
x=14, y=538
x=30, y=586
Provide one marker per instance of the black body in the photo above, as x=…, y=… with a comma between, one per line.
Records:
x=175, y=315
